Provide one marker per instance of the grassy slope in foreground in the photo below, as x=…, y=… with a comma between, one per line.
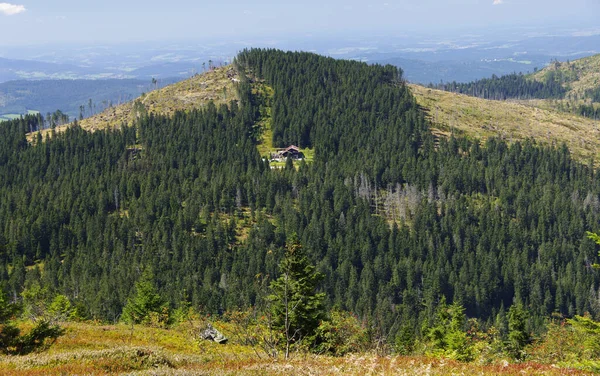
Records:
x=475, y=117
x=216, y=85
x=115, y=349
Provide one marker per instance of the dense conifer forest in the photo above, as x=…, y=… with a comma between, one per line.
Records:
x=396, y=221
x=510, y=86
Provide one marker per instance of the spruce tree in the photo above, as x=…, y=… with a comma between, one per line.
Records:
x=518, y=336
x=146, y=305
x=296, y=306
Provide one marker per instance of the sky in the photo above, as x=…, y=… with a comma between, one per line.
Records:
x=31, y=22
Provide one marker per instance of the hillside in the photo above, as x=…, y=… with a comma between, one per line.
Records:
x=215, y=85
x=481, y=118
x=193, y=93
x=454, y=247
x=576, y=76
x=568, y=87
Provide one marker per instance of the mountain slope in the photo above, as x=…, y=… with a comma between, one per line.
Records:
x=512, y=121
x=216, y=85
x=395, y=222
x=577, y=76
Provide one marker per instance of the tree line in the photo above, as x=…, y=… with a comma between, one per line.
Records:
x=510, y=86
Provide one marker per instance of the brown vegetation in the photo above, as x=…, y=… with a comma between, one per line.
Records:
x=89, y=348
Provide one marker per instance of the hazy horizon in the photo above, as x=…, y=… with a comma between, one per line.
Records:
x=111, y=22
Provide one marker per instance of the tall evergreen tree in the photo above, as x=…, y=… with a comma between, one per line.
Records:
x=145, y=303
x=296, y=306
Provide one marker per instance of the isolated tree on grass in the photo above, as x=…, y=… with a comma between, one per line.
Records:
x=296, y=307
x=518, y=336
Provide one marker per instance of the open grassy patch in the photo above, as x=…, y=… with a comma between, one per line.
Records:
x=263, y=127
x=95, y=349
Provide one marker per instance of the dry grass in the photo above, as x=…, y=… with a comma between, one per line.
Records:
x=216, y=85
x=90, y=349
x=584, y=74
x=480, y=118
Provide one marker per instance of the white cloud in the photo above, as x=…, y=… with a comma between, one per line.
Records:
x=11, y=9
x=498, y=2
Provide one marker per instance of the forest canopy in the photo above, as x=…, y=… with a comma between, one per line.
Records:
x=394, y=219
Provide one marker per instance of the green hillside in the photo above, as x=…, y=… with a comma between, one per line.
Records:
x=569, y=87
x=470, y=247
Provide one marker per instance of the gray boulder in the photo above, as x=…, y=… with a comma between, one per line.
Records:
x=212, y=334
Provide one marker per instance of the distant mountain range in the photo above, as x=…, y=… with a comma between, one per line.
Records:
x=73, y=97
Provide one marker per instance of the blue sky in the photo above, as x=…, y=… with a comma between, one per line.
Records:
x=108, y=21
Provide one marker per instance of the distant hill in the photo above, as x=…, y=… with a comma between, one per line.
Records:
x=578, y=77
x=13, y=69
x=17, y=97
x=576, y=80
x=571, y=86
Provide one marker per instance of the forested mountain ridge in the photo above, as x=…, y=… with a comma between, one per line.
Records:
x=534, y=119
x=395, y=220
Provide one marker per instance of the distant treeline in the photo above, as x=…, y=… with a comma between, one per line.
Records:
x=511, y=86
